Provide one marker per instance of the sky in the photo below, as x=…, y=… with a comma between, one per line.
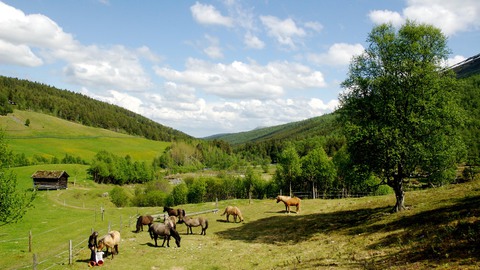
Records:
x=212, y=66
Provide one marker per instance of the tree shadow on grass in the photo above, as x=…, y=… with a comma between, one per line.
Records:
x=293, y=228
x=442, y=235
x=435, y=237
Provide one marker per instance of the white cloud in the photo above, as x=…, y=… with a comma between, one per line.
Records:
x=243, y=81
x=213, y=50
x=450, y=16
x=315, y=26
x=253, y=42
x=208, y=14
x=339, y=54
x=386, y=16
x=18, y=55
x=454, y=60
x=285, y=31
x=117, y=67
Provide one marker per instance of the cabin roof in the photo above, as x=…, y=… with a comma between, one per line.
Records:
x=49, y=174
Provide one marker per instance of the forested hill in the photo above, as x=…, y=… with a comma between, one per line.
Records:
x=317, y=126
x=26, y=95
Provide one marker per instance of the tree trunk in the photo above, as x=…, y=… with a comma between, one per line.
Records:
x=313, y=190
x=399, y=193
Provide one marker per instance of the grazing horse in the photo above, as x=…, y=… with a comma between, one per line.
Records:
x=195, y=222
x=143, y=220
x=289, y=201
x=234, y=211
x=165, y=230
x=174, y=212
x=110, y=240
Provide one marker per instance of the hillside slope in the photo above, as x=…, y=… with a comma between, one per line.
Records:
x=47, y=136
x=318, y=126
x=78, y=108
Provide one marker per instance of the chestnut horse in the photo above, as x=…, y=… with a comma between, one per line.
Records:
x=234, y=211
x=143, y=220
x=174, y=212
x=289, y=201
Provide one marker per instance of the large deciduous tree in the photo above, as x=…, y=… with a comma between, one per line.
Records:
x=400, y=107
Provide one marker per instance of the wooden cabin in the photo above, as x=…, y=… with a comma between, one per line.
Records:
x=48, y=180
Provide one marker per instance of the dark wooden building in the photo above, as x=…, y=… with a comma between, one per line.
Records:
x=46, y=180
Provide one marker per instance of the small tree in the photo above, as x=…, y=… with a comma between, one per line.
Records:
x=288, y=167
x=399, y=109
x=13, y=203
x=318, y=169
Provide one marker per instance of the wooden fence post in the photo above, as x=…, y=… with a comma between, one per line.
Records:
x=30, y=241
x=70, y=253
x=34, y=261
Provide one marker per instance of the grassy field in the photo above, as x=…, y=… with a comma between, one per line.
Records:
x=440, y=230
x=49, y=136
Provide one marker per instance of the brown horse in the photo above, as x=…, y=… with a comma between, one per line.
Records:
x=110, y=240
x=234, y=211
x=174, y=212
x=289, y=201
x=195, y=222
x=165, y=230
x=143, y=220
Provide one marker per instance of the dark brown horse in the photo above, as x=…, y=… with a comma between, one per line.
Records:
x=174, y=212
x=143, y=220
x=164, y=230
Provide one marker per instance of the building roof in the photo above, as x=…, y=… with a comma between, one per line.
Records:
x=49, y=174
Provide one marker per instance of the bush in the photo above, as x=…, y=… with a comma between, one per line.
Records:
x=119, y=197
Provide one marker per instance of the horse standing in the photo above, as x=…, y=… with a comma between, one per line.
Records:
x=174, y=212
x=195, y=222
x=173, y=220
x=289, y=201
x=165, y=230
x=143, y=220
x=110, y=240
x=234, y=211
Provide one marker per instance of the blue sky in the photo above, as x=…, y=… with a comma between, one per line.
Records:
x=209, y=67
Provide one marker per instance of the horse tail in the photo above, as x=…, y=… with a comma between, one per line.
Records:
x=206, y=224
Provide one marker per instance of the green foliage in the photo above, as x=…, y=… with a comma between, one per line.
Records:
x=197, y=191
x=154, y=193
x=318, y=169
x=109, y=168
x=400, y=109
x=13, y=203
x=179, y=195
x=119, y=197
x=288, y=168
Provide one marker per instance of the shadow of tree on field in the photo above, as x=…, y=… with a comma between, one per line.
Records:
x=435, y=237
x=293, y=228
x=445, y=234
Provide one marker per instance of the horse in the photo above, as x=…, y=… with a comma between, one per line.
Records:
x=165, y=230
x=110, y=240
x=195, y=222
x=173, y=220
x=174, y=212
x=234, y=211
x=143, y=220
x=289, y=201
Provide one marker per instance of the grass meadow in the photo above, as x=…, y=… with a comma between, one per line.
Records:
x=439, y=230
x=48, y=136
